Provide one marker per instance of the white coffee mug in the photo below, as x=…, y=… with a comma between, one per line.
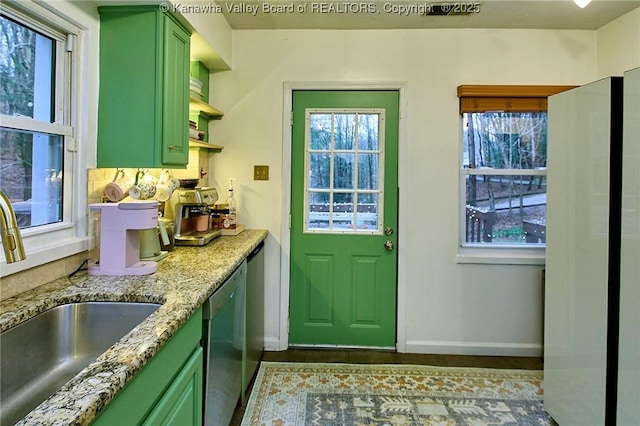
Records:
x=144, y=187
x=173, y=182
x=166, y=185
x=118, y=188
x=163, y=192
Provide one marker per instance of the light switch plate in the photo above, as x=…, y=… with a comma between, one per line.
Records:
x=261, y=172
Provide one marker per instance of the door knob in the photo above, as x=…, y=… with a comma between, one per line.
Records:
x=388, y=245
x=388, y=230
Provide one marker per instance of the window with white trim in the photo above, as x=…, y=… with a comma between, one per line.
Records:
x=504, y=165
x=37, y=147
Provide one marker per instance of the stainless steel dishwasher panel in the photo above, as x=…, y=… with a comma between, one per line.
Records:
x=223, y=342
x=254, y=318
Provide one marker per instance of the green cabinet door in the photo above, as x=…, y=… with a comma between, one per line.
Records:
x=175, y=143
x=182, y=402
x=143, y=107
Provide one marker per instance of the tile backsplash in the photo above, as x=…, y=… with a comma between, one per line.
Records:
x=20, y=282
x=96, y=180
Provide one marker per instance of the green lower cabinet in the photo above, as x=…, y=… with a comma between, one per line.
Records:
x=182, y=403
x=168, y=390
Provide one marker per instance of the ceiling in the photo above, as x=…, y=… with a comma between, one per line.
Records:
x=377, y=14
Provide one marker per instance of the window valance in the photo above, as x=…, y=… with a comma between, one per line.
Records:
x=483, y=98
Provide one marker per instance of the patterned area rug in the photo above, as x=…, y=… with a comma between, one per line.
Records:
x=299, y=394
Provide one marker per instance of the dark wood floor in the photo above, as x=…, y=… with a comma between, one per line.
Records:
x=385, y=357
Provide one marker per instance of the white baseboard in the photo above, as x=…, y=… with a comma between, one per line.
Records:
x=272, y=344
x=474, y=348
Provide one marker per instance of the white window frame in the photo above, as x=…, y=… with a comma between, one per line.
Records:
x=55, y=241
x=380, y=151
x=492, y=253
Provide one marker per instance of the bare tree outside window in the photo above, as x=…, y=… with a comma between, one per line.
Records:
x=343, y=167
x=31, y=160
x=504, y=165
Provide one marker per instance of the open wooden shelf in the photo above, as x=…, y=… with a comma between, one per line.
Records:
x=194, y=143
x=196, y=104
x=205, y=112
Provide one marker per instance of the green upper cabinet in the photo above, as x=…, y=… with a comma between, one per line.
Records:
x=143, y=111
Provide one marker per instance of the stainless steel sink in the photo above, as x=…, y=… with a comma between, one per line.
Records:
x=38, y=356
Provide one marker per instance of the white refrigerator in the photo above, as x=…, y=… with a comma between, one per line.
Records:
x=591, y=339
x=628, y=412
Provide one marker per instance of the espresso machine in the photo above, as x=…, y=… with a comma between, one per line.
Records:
x=191, y=210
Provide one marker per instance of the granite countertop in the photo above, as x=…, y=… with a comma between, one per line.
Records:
x=184, y=280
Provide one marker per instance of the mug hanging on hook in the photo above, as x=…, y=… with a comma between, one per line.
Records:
x=144, y=187
x=166, y=185
x=118, y=188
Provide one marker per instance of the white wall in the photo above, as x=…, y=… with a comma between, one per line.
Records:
x=211, y=34
x=618, y=45
x=444, y=306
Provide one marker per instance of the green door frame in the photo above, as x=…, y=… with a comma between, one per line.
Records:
x=283, y=342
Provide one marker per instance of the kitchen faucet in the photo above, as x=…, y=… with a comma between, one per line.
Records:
x=11, y=238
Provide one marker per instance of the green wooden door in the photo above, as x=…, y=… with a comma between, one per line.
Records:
x=344, y=201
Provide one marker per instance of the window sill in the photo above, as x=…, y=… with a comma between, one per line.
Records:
x=46, y=254
x=501, y=256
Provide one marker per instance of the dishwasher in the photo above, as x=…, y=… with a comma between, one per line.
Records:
x=223, y=343
x=254, y=334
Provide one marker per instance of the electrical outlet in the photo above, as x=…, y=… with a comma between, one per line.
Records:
x=260, y=172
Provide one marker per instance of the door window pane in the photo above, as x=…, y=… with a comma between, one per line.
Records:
x=343, y=211
x=343, y=185
x=319, y=201
x=368, y=171
x=367, y=211
x=368, y=132
x=320, y=127
x=343, y=171
x=344, y=130
x=319, y=170
x=319, y=210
